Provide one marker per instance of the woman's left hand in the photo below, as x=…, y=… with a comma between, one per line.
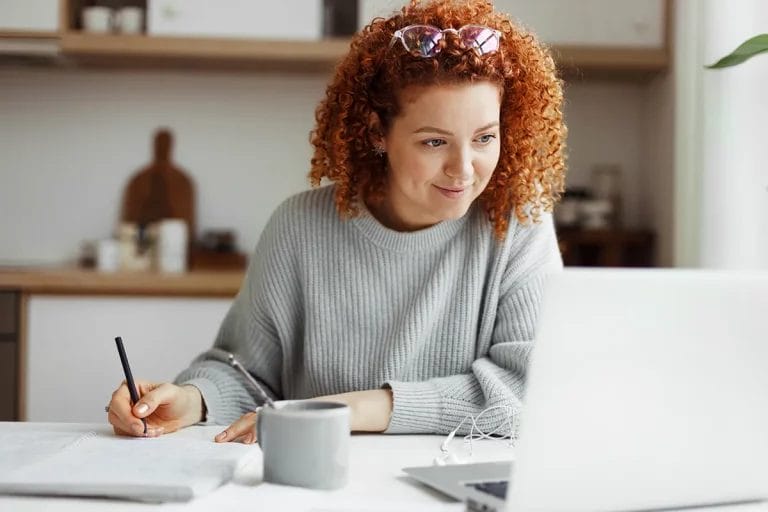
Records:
x=369, y=411
x=242, y=430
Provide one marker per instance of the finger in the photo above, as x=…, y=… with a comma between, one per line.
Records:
x=120, y=415
x=156, y=396
x=120, y=432
x=239, y=428
x=248, y=438
x=151, y=432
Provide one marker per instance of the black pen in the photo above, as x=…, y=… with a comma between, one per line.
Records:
x=128, y=376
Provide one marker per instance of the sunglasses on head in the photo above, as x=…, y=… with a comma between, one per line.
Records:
x=424, y=40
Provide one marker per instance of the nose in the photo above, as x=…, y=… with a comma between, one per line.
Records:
x=460, y=166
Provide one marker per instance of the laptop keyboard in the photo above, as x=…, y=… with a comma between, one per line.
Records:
x=498, y=489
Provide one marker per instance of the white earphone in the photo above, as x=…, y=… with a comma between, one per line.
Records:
x=447, y=457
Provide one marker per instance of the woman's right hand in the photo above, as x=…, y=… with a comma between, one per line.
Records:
x=165, y=407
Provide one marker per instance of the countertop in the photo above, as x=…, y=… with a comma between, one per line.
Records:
x=74, y=281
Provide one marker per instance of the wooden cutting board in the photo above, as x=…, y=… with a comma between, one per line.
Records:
x=161, y=190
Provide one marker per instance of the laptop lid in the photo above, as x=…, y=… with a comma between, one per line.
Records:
x=646, y=389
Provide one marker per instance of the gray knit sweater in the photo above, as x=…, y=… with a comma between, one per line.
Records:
x=444, y=316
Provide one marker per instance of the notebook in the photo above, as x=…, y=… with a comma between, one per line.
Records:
x=48, y=460
x=647, y=390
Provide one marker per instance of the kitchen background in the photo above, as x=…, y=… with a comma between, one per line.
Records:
x=73, y=135
x=79, y=110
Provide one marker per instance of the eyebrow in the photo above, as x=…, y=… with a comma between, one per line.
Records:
x=432, y=129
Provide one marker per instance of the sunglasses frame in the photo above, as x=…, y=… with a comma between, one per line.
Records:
x=398, y=36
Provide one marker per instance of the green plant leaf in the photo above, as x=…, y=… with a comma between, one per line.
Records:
x=747, y=50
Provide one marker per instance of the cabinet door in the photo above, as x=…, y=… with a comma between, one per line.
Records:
x=72, y=365
x=32, y=15
x=9, y=313
x=571, y=22
x=592, y=22
x=8, y=386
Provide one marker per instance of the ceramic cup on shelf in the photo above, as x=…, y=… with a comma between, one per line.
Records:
x=171, y=246
x=596, y=213
x=97, y=19
x=129, y=20
x=107, y=255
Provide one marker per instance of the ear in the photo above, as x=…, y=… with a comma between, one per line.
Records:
x=376, y=132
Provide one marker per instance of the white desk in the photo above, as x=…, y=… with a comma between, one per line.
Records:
x=376, y=482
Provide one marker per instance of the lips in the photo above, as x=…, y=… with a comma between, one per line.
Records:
x=453, y=189
x=452, y=192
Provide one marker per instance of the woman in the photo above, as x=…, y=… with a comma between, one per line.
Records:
x=409, y=287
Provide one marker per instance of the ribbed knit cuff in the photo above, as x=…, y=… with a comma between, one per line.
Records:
x=211, y=399
x=417, y=408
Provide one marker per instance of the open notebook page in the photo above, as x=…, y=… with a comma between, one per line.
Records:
x=99, y=464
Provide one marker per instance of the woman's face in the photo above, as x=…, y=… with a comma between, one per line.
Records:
x=442, y=149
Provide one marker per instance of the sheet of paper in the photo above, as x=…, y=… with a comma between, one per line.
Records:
x=167, y=468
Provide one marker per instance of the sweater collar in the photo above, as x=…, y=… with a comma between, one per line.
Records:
x=407, y=241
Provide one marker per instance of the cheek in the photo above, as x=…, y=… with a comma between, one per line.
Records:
x=488, y=165
x=413, y=167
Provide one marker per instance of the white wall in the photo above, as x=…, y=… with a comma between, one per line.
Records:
x=70, y=139
x=656, y=179
x=606, y=126
x=722, y=175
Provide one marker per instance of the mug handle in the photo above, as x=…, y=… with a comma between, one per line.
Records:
x=258, y=424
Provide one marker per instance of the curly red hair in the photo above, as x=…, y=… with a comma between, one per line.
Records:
x=530, y=174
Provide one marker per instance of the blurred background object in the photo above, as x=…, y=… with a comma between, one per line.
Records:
x=160, y=191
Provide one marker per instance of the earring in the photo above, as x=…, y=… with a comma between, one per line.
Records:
x=378, y=149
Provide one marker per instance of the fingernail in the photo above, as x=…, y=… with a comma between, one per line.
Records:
x=155, y=432
x=142, y=408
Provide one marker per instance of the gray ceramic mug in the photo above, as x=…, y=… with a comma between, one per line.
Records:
x=305, y=443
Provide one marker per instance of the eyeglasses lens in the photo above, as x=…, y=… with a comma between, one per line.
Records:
x=482, y=39
x=424, y=40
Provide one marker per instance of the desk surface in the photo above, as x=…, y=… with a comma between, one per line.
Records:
x=376, y=483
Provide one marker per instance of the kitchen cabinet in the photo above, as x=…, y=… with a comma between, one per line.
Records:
x=63, y=322
x=615, y=38
x=597, y=23
x=71, y=363
x=602, y=38
x=9, y=355
x=29, y=16
x=600, y=23
x=607, y=247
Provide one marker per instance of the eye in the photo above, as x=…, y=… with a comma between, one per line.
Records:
x=486, y=139
x=434, y=143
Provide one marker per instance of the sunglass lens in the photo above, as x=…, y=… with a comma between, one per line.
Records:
x=482, y=39
x=423, y=40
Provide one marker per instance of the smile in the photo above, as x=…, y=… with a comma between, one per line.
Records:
x=451, y=192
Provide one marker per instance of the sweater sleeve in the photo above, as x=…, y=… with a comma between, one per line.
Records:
x=249, y=332
x=498, y=377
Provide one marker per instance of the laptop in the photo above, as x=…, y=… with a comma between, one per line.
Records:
x=647, y=389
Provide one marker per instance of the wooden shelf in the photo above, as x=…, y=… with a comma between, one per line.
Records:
x=141, y=51
x=27, y=34
x=74, y=281
x=146, y=51
x=610, y=62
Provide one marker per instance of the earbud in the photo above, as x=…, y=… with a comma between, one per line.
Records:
x=446, y=460
x=444, y=444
